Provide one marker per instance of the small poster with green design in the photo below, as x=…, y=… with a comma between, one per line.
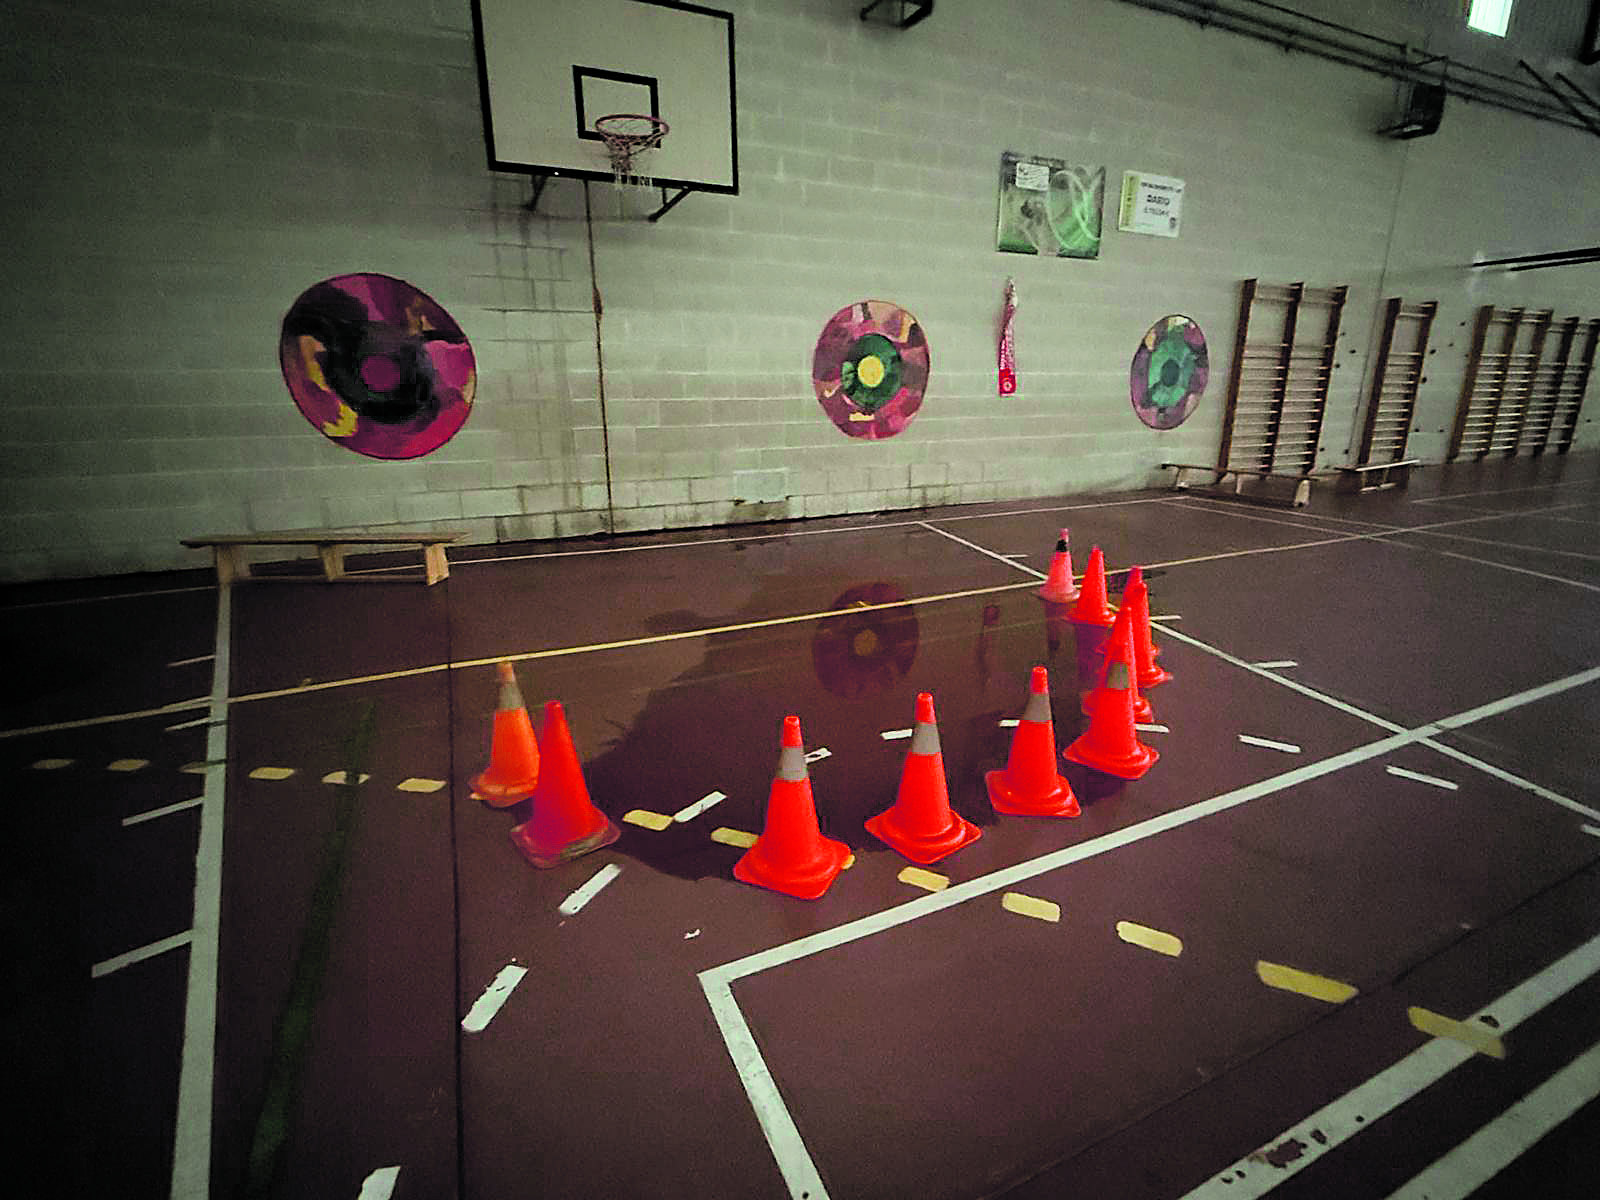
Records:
x=1048, y=207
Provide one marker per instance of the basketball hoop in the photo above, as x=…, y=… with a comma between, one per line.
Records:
x=626, y=136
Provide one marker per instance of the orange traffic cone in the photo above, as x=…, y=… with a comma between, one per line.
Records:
x=1110, y=744
x=1136, y=594
x=1058, y=585
x=1029, y=786
x=791, y=855
x=1091, y=608
x=921, y=824
x=565, y=823
x=513, y=769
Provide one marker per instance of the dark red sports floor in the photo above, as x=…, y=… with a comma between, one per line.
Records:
x=952, y=1048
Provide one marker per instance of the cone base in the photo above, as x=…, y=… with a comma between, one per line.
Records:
x=1003, y=798
x=1154, y=676
x=1101, y=621
x=545, y=853
x=1142, y=712
x=805, y=883
x=497, y=794
x=1061, y=595
x=1131, y=767
x=923, y=850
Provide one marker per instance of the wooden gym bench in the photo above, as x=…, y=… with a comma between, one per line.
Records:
x=1299, y=499
x=331, y=546
x=1375, y=477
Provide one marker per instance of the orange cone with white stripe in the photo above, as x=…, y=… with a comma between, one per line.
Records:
x=1091, y=608
x=1111, y=744
x=921, y=825
x=1136, y=593
x=565, y=823
x=1029, y=785
x=791, y=855
x=1058, y=585
x=513, y=770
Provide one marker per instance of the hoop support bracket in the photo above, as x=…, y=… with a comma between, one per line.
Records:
x=668, y=205
x=539, y=182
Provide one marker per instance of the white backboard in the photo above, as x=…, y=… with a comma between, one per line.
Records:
x=548, y=68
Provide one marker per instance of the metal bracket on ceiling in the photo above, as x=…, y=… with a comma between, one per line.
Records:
x=919, y=10
x=1561, y=96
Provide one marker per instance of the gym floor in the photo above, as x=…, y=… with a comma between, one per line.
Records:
x=1380, y=767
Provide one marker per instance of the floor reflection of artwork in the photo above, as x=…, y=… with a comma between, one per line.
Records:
x=1169, y=372
x=860, y=653
x=377, y=366
x=1049, y=208
x=870, y=368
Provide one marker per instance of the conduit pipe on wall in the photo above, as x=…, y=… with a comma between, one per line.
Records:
x=1367, y=52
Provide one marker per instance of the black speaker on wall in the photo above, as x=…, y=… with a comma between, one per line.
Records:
x=1424, y=108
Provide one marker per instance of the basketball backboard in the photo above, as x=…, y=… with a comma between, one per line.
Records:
x=548, y=68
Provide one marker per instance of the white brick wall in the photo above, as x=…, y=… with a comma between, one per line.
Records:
x=158, y=241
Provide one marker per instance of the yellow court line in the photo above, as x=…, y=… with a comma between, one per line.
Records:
x=733, y=837
x=929, y=880
x=1318, y=987
x=647, y=819
x=1151, y=939
x=1475, y=1036
x=1031, y=906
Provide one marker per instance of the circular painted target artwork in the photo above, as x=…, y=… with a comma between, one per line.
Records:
x=1170, y=370
x=870, y=369
x=377, y=366
x=858, y=654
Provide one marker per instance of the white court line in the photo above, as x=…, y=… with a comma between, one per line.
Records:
x=690, y=811
x=1269, y=744
x=1538, y=487
x=1515, y=780
x=380, y=1184
x=817, y=755
x=1503, y=1140
x=1280, y=664
x=1153, y=728
x=199, y=658
x=1001, y=558
x=588, y=891
x=895, y=735
x=191, y=1152
x=1591, y=830
x=499, y=990
x=1420, y=778
x=118, y=961
x=152, y=814
x=1358, y=1109
x=187, y=724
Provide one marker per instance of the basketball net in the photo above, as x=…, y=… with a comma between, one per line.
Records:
x=627, y=136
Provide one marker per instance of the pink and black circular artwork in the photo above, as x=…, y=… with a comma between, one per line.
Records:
x=870, y=369
x=377, y=366
x=1169, y=372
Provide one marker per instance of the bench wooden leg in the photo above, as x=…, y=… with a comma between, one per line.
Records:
x=231, y=565
x=434, y=562
x=332, y=556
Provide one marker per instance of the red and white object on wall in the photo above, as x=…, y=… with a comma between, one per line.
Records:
x=1008, y=358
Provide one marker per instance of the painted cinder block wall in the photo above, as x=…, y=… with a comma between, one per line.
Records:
x=182, y=170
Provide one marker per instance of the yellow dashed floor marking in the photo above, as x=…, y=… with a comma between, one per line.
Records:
x=1031, y=906
x=917, y=877
x=1475, y=1036
x=419, y=785
x=733, y=837
x=1318, y=987
x=272, y=773
x=52, y=764
x=128, y=764
x=1150, y=939
x=343, y=777
x=648, y=819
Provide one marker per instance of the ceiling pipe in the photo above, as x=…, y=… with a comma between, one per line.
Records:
x=1393, y=62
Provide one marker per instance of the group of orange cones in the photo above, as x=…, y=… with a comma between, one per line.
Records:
x=791, y=855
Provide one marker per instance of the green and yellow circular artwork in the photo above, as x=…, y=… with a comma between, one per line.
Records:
x=870, y=368
x=1169, y=372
